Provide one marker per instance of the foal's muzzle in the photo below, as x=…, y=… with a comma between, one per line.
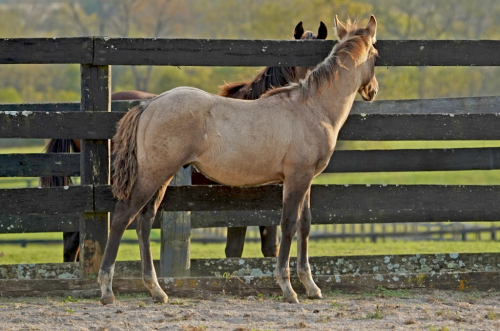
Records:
x=369, y=92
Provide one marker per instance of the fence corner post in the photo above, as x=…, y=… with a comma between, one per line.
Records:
x=94, y=167
x=175, y=259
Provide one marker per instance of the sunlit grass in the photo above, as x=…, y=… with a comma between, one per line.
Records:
x=37, y=253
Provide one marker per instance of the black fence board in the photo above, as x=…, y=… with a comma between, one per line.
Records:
x=203, y=52
x=72, y=124
x=443, y=106
x=420, y=127
x=52, y=200
x=331, y=204
x=414, y=160
x=220, y=52
x=46, y=50
x=35, y=165
x=329, y=198
x=102, y=125
x=31, y=223
x=467, y=105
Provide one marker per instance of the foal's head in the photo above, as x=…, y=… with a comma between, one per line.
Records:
x=300, y=34
x=365, y=59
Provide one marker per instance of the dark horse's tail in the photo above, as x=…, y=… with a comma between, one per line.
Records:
x=71, y=239
x=125, y=150
x=57, y=146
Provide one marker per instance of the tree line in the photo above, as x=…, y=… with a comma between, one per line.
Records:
x=245, y=19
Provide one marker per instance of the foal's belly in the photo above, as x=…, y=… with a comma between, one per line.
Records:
x=239, y=175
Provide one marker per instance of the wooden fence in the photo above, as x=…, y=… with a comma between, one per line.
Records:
x=86, y=207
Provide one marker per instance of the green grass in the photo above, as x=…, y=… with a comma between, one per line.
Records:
x=36, y=253
x=22, y=150
x=53, y=253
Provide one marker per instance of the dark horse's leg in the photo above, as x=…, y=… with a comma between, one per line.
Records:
x=269, y=240
x=295, y=188
x=71, y=240
x=303, y=268
x=235, y=241
x=71, y=243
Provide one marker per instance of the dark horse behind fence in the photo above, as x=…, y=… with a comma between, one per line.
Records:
x=286, y=136
x=268, y=78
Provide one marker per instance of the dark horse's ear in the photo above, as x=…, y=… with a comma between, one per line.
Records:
x=322, y=31
x=299, y=31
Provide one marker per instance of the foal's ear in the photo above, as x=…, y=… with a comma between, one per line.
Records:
x=340, y=28
x=299, y=31
x=322, y=31
x=371, y=27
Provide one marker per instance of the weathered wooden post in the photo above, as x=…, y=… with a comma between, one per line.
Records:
x=175, y=259
x=95, y=167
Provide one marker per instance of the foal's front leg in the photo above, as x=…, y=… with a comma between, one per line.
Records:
x=294, y=192
x=145, y=221
x=303, y=268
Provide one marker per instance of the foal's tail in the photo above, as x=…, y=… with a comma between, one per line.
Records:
x=125, y=149
x=57, y=146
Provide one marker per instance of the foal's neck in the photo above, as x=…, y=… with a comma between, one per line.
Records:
x=335, y=100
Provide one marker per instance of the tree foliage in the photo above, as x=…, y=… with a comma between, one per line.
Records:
x=252, y=19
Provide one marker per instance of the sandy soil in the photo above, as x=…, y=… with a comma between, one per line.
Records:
x=382, y=310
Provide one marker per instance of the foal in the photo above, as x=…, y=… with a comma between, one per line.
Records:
x=286, y=136
x=267, y=79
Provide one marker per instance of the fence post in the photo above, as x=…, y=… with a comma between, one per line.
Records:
x=175, y=259
x=94, y=167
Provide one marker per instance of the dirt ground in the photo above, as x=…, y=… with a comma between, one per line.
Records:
x=381, y=310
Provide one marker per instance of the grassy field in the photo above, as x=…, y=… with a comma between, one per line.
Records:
x=53, y=253
x=36, y=253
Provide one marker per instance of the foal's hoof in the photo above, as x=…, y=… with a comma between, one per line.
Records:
x=160, y=298
x=107, y=300
x=291, y=299
x=316, y=295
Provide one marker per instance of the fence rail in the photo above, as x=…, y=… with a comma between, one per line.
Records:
x=232, y=52
x=94, y=119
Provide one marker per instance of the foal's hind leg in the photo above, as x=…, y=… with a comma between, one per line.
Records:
x=295, y=189
x=303, y=268
x=125, y=212
x=144, y=223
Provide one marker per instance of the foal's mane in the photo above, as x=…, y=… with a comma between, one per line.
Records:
x=353, y=44
x=267, y=79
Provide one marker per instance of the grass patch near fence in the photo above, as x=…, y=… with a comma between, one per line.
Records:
x=37, y=253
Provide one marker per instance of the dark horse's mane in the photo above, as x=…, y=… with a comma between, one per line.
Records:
x=58, y=146
x=267, y=79
x=353, y=44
